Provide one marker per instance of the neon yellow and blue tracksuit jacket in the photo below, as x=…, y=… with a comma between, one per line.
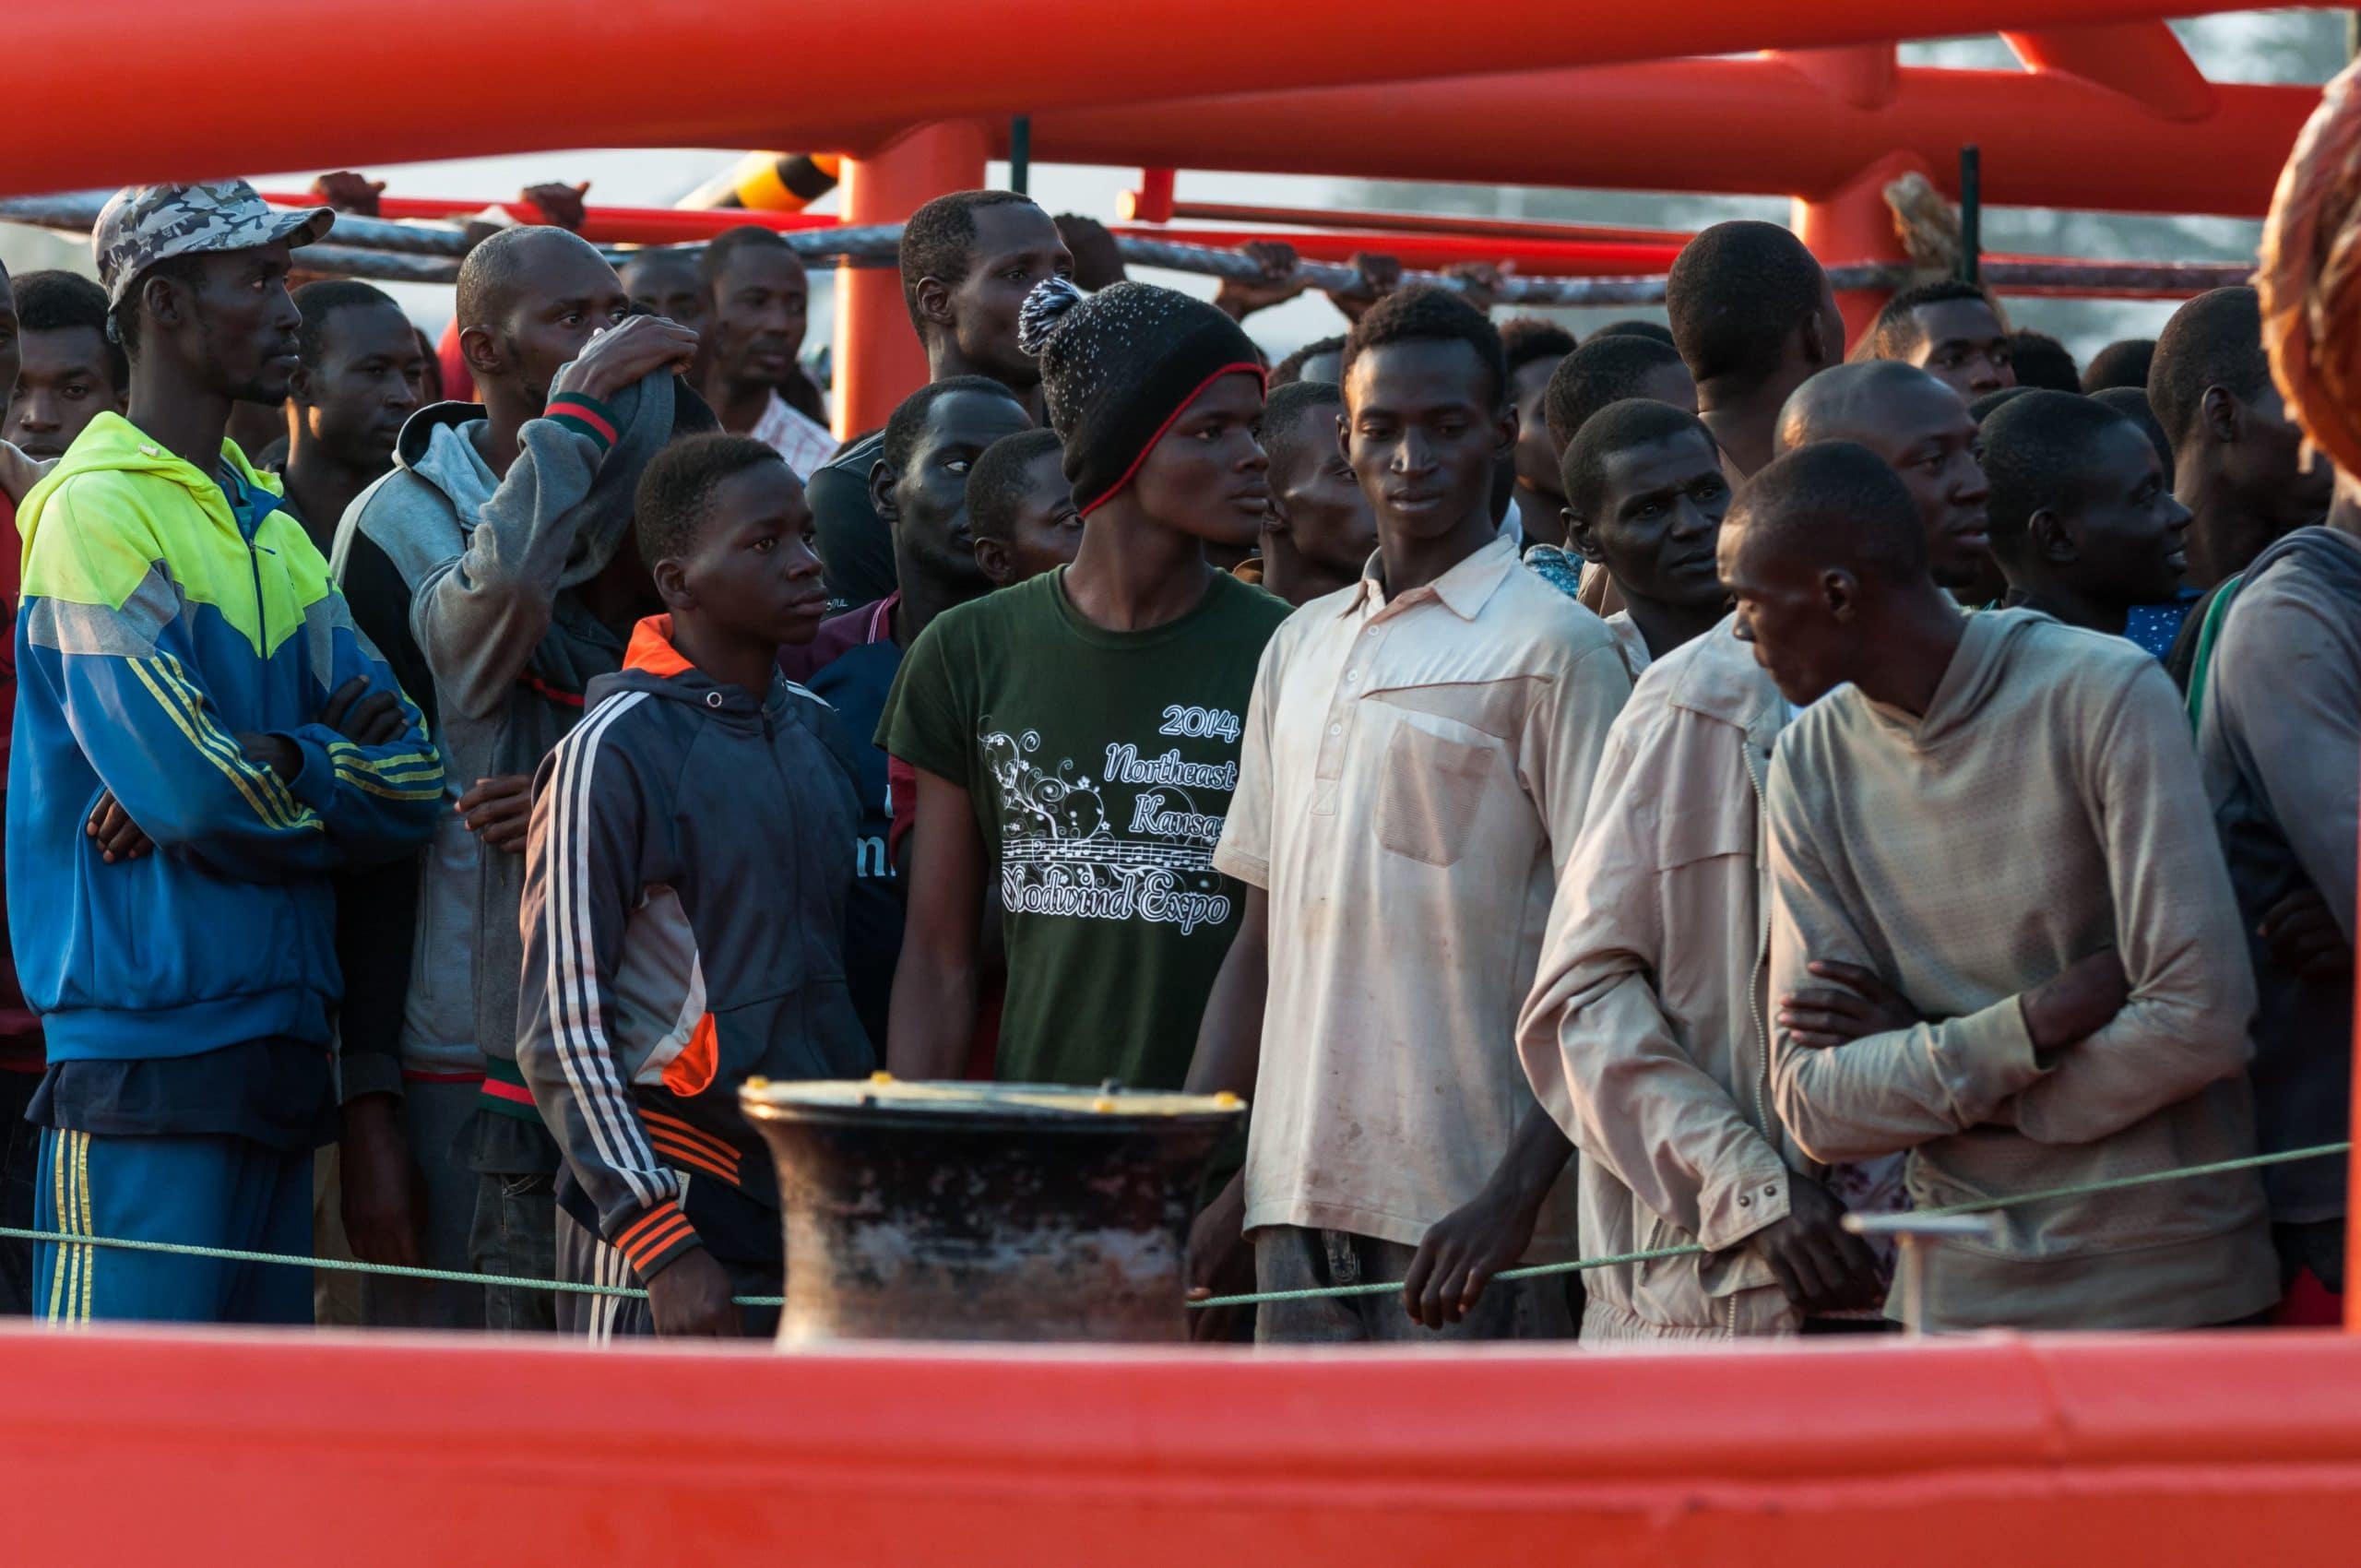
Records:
x=153, y=628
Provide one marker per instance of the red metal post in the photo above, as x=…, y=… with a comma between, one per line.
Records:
x=880, y=360
x=1853, y=225
x=1152, y=203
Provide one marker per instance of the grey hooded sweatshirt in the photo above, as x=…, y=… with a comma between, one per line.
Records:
x=477, y=578
x=2046, y=807
x=2280, y=737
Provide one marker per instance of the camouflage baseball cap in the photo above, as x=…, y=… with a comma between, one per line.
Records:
x=146, y=225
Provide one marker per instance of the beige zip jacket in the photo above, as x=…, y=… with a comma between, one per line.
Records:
x=1646, y=1032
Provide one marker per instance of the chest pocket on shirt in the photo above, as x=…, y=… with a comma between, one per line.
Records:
x=1431, y=787
x=1708, y=824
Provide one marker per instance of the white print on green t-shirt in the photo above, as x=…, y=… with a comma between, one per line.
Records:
x=1219, y=723
x=1061, y=855
x=1125, y=765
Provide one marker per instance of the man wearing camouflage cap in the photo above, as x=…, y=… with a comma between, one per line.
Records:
x=184, y=662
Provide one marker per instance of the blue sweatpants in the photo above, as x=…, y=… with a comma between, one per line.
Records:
x=202, y=1191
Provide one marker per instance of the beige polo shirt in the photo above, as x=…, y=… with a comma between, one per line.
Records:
x=1413, y=774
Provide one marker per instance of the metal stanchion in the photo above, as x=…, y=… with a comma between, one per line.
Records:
x=1912, y=1235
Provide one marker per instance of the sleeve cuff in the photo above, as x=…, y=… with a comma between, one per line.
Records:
x=655, y=1238
x=315, y=784
x=1734, y=1207
x=584, y=416
x=364, y=1073
x=1252, y=870
x=1985, y=1058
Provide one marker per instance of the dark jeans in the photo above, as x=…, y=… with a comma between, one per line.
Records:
x=516, y=1234
x=432, y=1118
x=20, y=1163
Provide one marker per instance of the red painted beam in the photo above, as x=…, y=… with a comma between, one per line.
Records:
x=387, y=1453
x=1740, y=126
x=601, y=225
x=2144, y=61
x=1422, y=223
x=708, y=73
x=1538, y=258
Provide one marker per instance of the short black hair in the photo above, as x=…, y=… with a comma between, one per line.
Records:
x=186, y=269
x=1426, y=314
x=2132, y=404
x=996, y=484
x=1290, y=369
x=1839, y=502
x=939, y=240
x=693, y=258
x=2042, y=362
x=2037, y=452
x=2121, y=364
x=1619, y=427
x=1896, y=332
x=322, y=300
x=492, y=270
x=1603, y=371
x=724, y=248
x=675, y=497
x=1283, y=414
x=2213, y=341
x=908, y=418
x=52, y=300
x=1734, y=293
x=1097, y=259
x=1526, y=339
x=1655, y=329
x=1991, y=403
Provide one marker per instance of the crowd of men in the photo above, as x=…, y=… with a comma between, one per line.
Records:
x=1591, y=798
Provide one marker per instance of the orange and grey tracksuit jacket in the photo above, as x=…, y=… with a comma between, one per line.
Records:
x=683, y=931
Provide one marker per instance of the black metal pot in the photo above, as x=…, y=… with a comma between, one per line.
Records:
x=985, y=1211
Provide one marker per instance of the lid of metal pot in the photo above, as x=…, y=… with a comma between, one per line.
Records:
x=762, y=1098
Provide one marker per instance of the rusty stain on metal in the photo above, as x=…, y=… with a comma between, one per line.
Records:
x=985, y=1212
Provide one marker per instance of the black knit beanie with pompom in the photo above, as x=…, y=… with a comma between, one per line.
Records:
x=1118, y=367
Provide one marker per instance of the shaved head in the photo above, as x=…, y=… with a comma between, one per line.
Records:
x=496, y=272
x=1814, y=547
x=1917, y=423
x=1834, y=505
x=531, y=298
x=1842, y=401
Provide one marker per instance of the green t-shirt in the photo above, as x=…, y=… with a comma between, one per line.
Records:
x=1101, y=766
